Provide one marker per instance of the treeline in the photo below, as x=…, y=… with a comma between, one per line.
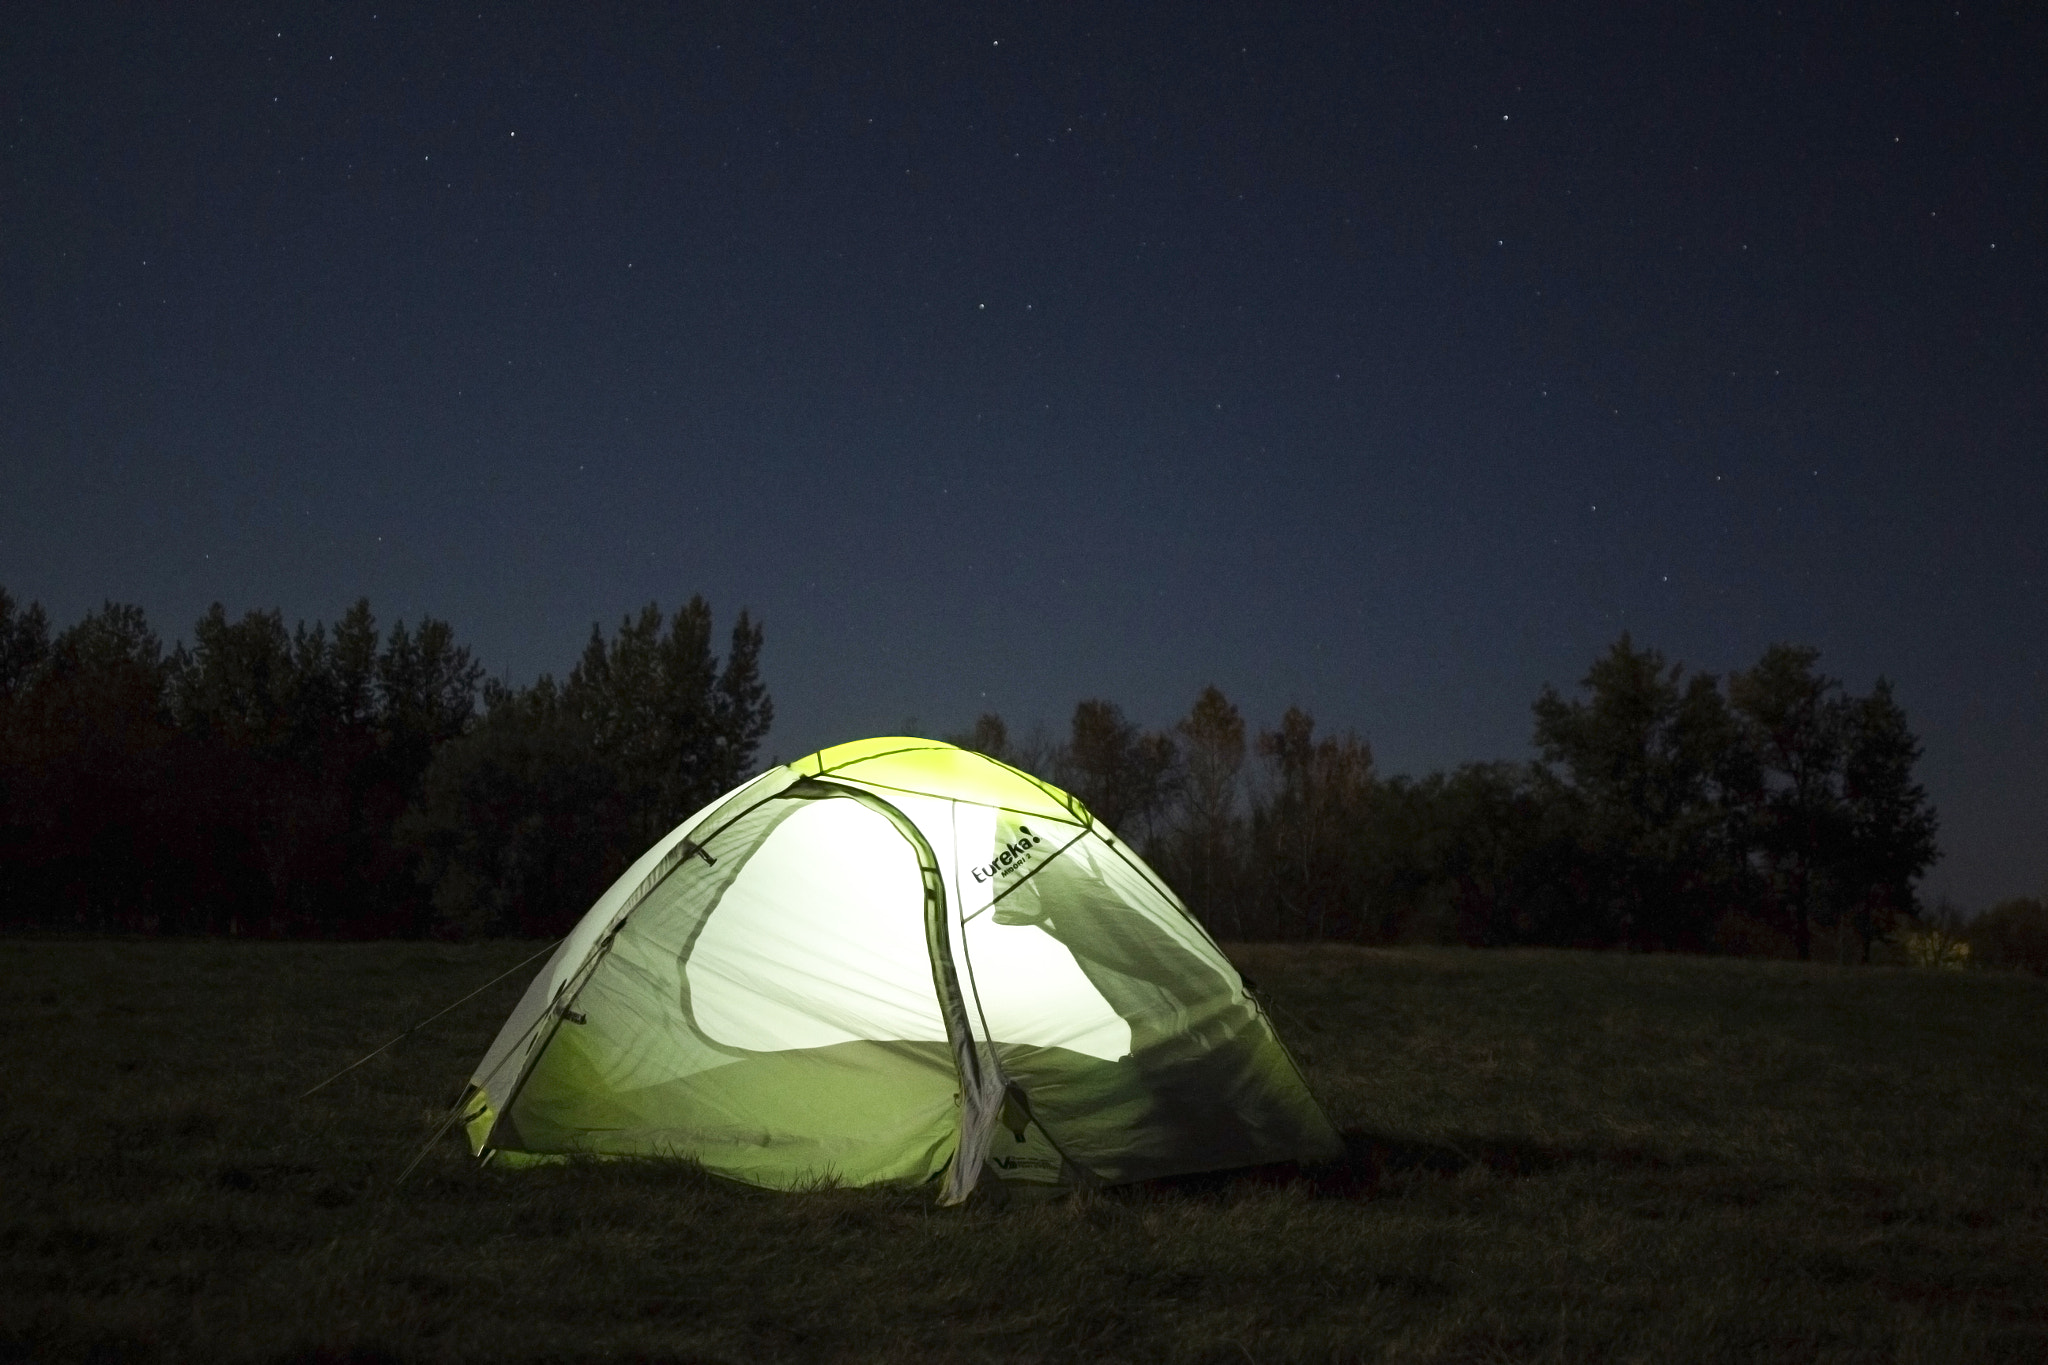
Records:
x=1665, y=811
x=354, y=782
x=348, y=781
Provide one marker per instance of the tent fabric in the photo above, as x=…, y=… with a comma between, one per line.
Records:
x=894, y=961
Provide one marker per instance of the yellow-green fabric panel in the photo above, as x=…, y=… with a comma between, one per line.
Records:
x=480, y=1114
x=859, y=1113
x=1169, y=1111
x=932, y=767
x=1023, y=1153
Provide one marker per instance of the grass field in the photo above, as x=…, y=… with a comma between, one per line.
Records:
x=1553, y=1157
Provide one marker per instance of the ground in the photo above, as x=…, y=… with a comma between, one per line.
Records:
x=1553, y=1156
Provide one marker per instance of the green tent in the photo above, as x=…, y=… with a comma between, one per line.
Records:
x=894, y=961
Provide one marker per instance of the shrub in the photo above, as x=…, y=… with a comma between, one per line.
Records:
x=1935, y=947
x=2013, y=934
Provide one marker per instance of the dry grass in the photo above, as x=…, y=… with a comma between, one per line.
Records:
x=1554, y=1157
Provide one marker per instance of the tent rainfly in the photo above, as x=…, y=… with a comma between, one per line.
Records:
x=894, y=961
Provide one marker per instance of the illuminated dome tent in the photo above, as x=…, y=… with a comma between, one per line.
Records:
x=894, y=961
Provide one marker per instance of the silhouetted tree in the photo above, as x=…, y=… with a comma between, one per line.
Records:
x=86, y=744
x=24, y=645
x=24, y=652
x=1035, y=753
x=989, y=736
x=1123, y=775
x=1648, y=762
x=1307, y=849
x=255, y=779
x=1797, y=725
x=675, y=728
x=522, y=821
x=1203, y=847
x=1891, y=825
x=1509, y=857
x=519, y=824
x=304, y=751
x=427, y=691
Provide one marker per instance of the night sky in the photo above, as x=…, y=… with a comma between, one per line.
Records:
x=1389, y=360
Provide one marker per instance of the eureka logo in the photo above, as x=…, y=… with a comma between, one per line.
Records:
x=1011, y=858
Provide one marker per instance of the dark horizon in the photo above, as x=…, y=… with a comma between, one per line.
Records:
x=1391, y=367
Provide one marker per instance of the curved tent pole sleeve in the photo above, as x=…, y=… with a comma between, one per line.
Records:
x=982, y=1082
x=1011, y=1090
x=966, y=956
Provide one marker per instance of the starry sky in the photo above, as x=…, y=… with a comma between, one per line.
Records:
x=1386, y=360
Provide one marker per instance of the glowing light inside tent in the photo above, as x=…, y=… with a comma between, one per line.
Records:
x=819, y=940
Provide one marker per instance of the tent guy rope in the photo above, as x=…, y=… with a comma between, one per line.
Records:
x=429, y=1019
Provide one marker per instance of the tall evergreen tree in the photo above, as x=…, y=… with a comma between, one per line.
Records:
x=427, y=694
x=244, y=702
x=522, y=821
x=240, y=686
x=24, y=650
x=676, y=727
